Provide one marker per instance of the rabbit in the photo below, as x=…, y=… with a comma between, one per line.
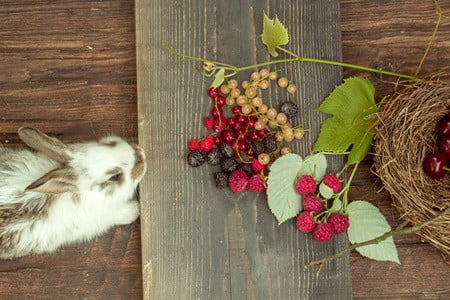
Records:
x=63, y=194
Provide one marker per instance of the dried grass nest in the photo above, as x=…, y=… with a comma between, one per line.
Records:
x=405, y=135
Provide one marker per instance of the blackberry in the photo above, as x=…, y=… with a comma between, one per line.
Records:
x=270, y=144
x=229, y=165
x=290, y=109
x=247, y=168
x=226, y=150
x=221, y=179
x=214, y=157
x=257, y=147
x=196, y=158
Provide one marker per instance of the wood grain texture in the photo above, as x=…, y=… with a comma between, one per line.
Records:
x=200, y=242
x=68, y=68
x=38, y=37
x=394, y=35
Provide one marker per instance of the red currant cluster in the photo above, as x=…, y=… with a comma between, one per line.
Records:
x=247, y=137
x=437, y=165
x=315, y=217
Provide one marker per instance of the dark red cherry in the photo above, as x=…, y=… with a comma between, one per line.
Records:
x=444, y=146
x=434, y=165
x=443, y=127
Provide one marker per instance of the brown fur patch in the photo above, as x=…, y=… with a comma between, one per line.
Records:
x=139, y=164
x=110, y=144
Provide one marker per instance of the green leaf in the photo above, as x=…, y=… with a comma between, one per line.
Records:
x=367, y=223
x=284, y=202
x=219, y=77
x=337, y=205
x=314, y=165
x=274, y=34
x=326, y=191
x=352, y=105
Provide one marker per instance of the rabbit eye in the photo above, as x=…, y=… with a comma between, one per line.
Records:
x=116, y=177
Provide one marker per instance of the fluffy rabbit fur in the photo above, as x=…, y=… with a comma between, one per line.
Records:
x=65, y=193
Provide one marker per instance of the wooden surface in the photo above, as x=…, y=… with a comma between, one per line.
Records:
x=50, y=78
x=199, y=242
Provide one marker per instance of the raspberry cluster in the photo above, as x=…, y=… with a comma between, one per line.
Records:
x=315, y=217
x=248, y=136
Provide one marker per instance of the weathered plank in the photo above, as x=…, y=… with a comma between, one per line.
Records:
x=199, y=242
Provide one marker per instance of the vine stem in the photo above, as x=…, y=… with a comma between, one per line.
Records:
x=433, y=35
x=296, y=58
x=399, y=230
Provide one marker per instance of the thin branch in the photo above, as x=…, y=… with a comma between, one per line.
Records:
x=400, y=230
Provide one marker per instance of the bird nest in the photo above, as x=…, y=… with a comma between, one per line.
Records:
x=406, y=133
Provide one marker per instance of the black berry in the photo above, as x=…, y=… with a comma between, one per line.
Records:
x=214, y=157
x=270, y=144
x=289, y=109
x=257, y=147
x=247, y=168
x=221, y=179
x=229, y=165
x=226, y=150
x=196, y=158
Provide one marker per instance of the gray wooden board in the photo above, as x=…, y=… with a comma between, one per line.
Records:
x=199, y=242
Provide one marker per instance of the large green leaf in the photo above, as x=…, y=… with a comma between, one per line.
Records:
x=314, y=165
x=352, y=105
x=284, y=202
x=274, y=34
x=367, y=223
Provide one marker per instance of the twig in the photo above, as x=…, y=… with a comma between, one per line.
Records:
x=400, y=230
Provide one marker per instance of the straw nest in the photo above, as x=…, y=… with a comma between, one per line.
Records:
x=405, y=135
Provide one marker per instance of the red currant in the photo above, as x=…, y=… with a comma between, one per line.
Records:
x=228, y=136
x=231, y=122
x=242, y=119
x=242, y=145
x=254, y=136
x=251, y=122
x=217, y=141
x=236, y=110
x=213, y=92
x=240, y=132
x=221, y=100
x=216, y=112
x=220, y=124
x=237, y=126
x=263, y=133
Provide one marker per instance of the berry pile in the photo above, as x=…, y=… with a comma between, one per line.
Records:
x=437, y=165
x=315, y=217
x=247, y=137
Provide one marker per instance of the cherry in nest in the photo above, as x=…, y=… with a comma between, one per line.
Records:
x=435, y=165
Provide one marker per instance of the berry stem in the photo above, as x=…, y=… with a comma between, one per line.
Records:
x=446, y=169
x=399, y=230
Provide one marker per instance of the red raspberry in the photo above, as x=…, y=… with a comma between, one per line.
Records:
x=323, y=232
x=313, y=204
x=193, y=145
x=207, y=143
x=306, y=185
x=332, y=182
x=339, y=222
x=256, y=184
x=257, y=166
x=305, y=222
x=238, y=181
x=209, y=123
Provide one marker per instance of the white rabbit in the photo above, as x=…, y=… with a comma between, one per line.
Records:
x=65, y=193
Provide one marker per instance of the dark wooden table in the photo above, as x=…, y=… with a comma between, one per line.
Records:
x=68, y=67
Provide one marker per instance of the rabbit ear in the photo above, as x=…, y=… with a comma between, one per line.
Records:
x=57, y=181
x=38, y=140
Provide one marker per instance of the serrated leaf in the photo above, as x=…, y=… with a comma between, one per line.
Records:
x=314, y=165
x=274, y=34
x=352, y=105
x=337, y=205
x=284, y=202
x=326, y=191
x=219, y=77
x=367, y=223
